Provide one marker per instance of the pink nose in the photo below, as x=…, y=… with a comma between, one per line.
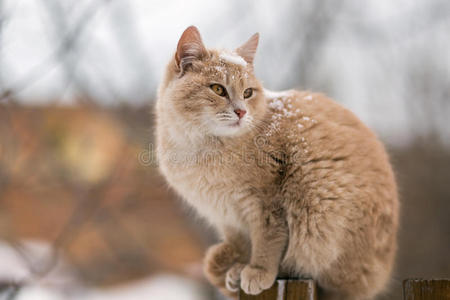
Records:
x=240, y=112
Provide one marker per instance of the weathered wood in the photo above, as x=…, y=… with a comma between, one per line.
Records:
x=421, y=289
x=301, y=289
x=269, y=294
x=290, y=289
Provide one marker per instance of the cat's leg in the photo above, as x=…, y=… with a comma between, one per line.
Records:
x=234, y=250
x=269, y=237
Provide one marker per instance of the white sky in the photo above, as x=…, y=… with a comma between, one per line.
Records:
x=125, y=47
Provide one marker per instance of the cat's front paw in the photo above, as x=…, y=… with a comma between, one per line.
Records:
x=255, y=279
x=233, y=277
x=219, y=258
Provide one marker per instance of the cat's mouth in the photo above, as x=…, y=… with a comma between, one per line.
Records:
x=229, y=128
x=236, y=124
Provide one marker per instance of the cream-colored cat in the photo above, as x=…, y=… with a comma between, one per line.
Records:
x=294, y=183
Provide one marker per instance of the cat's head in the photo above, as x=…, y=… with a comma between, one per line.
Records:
x=212, y=91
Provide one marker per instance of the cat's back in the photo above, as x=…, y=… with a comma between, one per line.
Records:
x=301, y=111
x=335, y=132
x=337, y=154
x=320, y=128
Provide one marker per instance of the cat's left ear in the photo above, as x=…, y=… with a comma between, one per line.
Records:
x=248, y=50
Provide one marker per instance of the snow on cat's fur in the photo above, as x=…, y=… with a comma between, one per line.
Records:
x=294, y=183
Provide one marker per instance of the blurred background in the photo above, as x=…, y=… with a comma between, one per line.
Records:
x=84, y=213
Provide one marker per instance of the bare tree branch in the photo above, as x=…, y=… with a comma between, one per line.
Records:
x=49, y=63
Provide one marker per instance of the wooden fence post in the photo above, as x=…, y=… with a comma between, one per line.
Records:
x=431, y=289
x=286, y=289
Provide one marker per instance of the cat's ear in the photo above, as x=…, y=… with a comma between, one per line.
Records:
x=190, y=48
x=248, y=50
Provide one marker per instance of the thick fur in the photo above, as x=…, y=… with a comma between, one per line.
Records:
x=299, y=187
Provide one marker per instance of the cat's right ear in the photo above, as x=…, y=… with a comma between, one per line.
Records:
x=248, y=50
x=190, y=48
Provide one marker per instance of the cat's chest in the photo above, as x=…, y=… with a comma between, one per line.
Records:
x=209, y=183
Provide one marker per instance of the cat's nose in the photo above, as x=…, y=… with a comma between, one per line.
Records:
x=240, y=112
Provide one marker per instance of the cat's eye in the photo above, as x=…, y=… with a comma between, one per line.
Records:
x=218, y=89
x=248, y=93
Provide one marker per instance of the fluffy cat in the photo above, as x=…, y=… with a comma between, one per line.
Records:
x=294, y=183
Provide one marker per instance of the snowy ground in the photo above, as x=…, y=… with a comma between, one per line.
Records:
x=62, y=284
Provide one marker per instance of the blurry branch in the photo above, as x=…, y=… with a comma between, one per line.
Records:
x=311, y=23
x=49, y=63
x=143, y=80
x=139, y=252
x=316, y=27
x=11, y=289
x=427, y=96
x=70, y=51
x=417, y=20
x=91, y=201
x=2, y=22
